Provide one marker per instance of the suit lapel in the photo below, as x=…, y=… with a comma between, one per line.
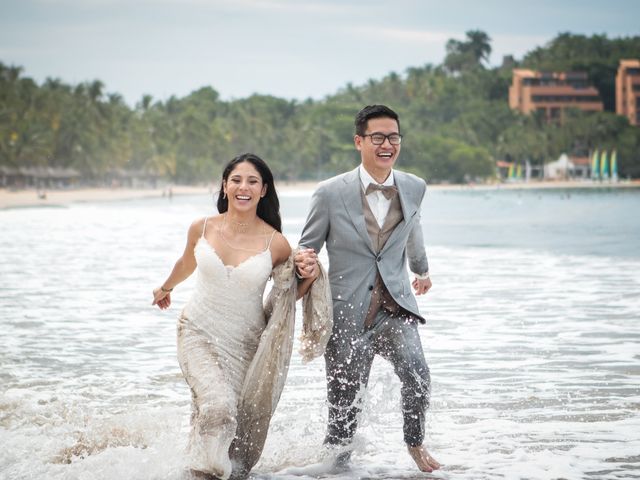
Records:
x=352, y=199
x=403, y=195
x=409, y=209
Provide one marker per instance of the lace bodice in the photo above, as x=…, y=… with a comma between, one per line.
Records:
x=252, y=274
x=228, y=297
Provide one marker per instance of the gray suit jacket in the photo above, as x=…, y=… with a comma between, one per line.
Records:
x=336, y=218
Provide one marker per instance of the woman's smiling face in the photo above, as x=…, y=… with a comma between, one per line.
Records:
x=244, y=187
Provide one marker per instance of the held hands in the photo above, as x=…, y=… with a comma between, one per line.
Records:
x=421, y=286
x=306, y=262
x=161, y=298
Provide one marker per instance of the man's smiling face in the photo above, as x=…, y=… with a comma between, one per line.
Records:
x=378, y=158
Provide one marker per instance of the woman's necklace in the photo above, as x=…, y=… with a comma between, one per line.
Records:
x=242, y=228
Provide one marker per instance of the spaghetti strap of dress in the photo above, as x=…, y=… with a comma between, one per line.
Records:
x=204, y=226
x=271, y=239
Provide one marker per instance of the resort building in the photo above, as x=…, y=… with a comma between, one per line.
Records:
x=628, y=90
x=552, y=93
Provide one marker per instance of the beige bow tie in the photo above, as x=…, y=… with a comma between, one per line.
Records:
x=389, y=191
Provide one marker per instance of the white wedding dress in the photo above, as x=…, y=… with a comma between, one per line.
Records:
x=234, y=353
x=218, y=335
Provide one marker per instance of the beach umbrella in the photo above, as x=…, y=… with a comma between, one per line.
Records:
x=519, y=171
x=595, y=169
x=510, y=171
x=604, y=166
x=614, y=165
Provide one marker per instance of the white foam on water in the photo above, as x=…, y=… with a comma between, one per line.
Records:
x=533, y=356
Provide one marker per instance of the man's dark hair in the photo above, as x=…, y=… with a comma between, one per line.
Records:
x=373, y=111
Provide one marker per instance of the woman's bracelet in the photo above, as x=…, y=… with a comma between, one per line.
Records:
x=166, y=290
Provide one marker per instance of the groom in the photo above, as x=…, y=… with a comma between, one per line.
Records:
x=369, y=219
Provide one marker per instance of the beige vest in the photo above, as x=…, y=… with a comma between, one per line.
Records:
x=380, y=296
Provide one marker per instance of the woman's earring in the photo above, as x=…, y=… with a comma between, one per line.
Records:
x=224, y=195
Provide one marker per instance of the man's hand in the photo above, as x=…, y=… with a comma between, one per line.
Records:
x=421, y=286
x=306, y=262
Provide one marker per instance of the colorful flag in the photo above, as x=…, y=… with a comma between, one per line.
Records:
x=604, y=166
x=614, y=165
x=595, y=169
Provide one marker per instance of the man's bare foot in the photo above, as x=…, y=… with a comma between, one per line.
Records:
x=424, y=461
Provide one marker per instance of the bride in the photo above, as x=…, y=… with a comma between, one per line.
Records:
x=233, y=355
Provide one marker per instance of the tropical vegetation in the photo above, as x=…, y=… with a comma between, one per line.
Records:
x=455, y=120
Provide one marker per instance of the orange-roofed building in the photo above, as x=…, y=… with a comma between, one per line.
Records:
x=628, y=90
x=552, y=93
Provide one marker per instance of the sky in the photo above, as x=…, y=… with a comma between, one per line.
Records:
x=292, y=49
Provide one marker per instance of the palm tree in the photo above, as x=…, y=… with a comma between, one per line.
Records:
x=145, y=102
x=479, y=44
x=468, y=55
x=95, y=90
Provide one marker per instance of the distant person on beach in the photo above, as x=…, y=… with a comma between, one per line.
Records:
x=369, y=220
x=234, y=362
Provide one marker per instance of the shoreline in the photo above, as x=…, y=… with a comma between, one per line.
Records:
x=538, y=185
x=30, y=198
x=56, y=198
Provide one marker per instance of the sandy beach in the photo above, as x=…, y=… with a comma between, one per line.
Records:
x=31, y=197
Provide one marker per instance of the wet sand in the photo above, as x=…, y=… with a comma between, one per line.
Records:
x=30, y=197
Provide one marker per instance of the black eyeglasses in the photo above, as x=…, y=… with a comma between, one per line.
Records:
x=379, y=138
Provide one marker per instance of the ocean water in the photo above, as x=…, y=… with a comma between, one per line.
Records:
x=533, y=340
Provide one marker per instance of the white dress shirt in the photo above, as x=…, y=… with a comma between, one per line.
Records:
x=377, y=201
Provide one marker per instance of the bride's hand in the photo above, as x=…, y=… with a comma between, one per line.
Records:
x=306, y=262
x=161, y=298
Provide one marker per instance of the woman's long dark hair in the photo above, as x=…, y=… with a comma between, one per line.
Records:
x=269, y=205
